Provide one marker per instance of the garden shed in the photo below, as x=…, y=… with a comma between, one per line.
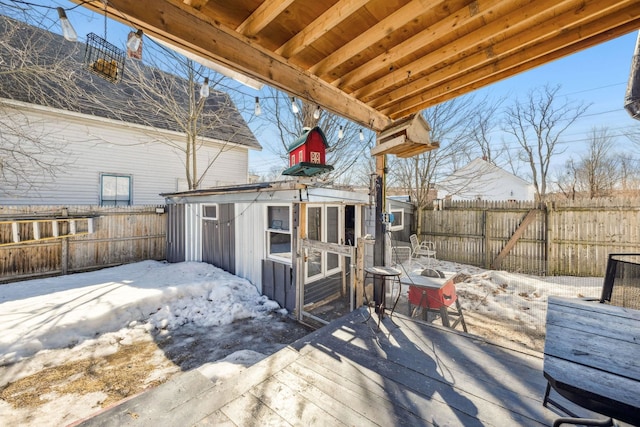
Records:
x=295, y=241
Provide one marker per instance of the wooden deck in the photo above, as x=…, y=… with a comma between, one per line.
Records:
x=348, y=373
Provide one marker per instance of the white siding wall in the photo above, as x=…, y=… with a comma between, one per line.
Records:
x=96, y=146
x=250, y=241
x=193, y=232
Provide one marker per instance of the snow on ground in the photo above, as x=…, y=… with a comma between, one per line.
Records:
x=196, y=307
x=63, y=311
x=516, y=300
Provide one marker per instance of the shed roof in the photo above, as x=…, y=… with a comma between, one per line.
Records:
x=95, y=96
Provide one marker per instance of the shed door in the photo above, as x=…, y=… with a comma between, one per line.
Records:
x=218, y=236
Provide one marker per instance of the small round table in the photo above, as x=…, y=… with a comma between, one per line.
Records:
x=380, y=275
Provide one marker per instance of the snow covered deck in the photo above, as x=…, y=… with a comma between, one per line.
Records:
x=350, y=373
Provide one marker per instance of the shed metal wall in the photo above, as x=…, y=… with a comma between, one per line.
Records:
x=218, y=241
x=250, y=225
x=175, y=233
x=278, y=283
x=193, y=229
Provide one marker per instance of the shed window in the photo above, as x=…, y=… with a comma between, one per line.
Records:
x=115, y=190
x=301, y=156
x=315, y=157
x=397, y=220
x=210, y=212
x=278, y=232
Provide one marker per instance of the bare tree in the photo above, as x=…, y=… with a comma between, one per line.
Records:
x=177, y=104
x=537, y=124
x=450, y=126
x=348, y=143
x=485, y=119
x=566, y=179
x=33, y=69
x=598, y=170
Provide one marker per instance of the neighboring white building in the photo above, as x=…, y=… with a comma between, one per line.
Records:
x=481, y=180
x=112, y=159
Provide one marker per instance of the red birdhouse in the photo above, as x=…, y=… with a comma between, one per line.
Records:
x=307, y=154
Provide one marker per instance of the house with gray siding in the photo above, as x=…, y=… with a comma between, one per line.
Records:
x=110, y=147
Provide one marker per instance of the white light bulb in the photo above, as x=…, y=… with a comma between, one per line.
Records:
x=204, y=89
x=134, y=40
x=257, y=110
x=316, y=114
x=361, y=135
x=67, y=29
x=294, y=106
x=340, y=133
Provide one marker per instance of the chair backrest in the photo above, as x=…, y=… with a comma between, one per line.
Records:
x=415, y=243
x=622, y=281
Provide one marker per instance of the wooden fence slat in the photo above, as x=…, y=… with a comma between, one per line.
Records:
x=571, y=238
x=104, y=237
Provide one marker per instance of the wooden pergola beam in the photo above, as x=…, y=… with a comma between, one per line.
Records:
x=181, y=25
x=376, y=33
x=323, y=24
x=502, y=68
x=496, y=39
x=263, y=16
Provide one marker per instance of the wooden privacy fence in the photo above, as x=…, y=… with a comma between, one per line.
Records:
x=38, y=241
x=570, y=238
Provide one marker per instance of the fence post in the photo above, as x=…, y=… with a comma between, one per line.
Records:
x=64, y=255
x=548, y=236
x=486, y=259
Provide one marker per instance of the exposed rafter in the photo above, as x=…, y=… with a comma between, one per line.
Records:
x=376, y=61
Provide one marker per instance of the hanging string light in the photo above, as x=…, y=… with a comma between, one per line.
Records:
x=134, y=40
x=204, y=89
x=361, y=135
x=294, y=106
x=340, y=133
x=316, y=114
x=257, y=110
x=68, y=31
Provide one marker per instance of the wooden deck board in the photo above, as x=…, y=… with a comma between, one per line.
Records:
x=349, y=373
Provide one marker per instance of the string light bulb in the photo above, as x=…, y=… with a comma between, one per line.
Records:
x=134, y=41
x=204, y=89
x=294, y=106
x=361, y=135
x=316, y=114
x=257, y=110
x=340, y=133
x=67, y=29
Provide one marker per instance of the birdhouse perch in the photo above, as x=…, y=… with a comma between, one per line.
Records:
x=405, y=138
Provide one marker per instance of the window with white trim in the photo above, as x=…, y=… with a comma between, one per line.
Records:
x=324, y=224
x=115, y=190
x=397, y=222
x=210, y=212
x=279, y=232
x=315, y=157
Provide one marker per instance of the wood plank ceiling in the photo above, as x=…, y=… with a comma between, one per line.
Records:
x=376, y=61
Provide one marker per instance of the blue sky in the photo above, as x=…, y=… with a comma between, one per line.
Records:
x=596, y=76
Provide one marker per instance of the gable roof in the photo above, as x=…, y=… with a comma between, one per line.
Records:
x=482, y=179
x=480, y=166
x=306, y=135
x=96, y=96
